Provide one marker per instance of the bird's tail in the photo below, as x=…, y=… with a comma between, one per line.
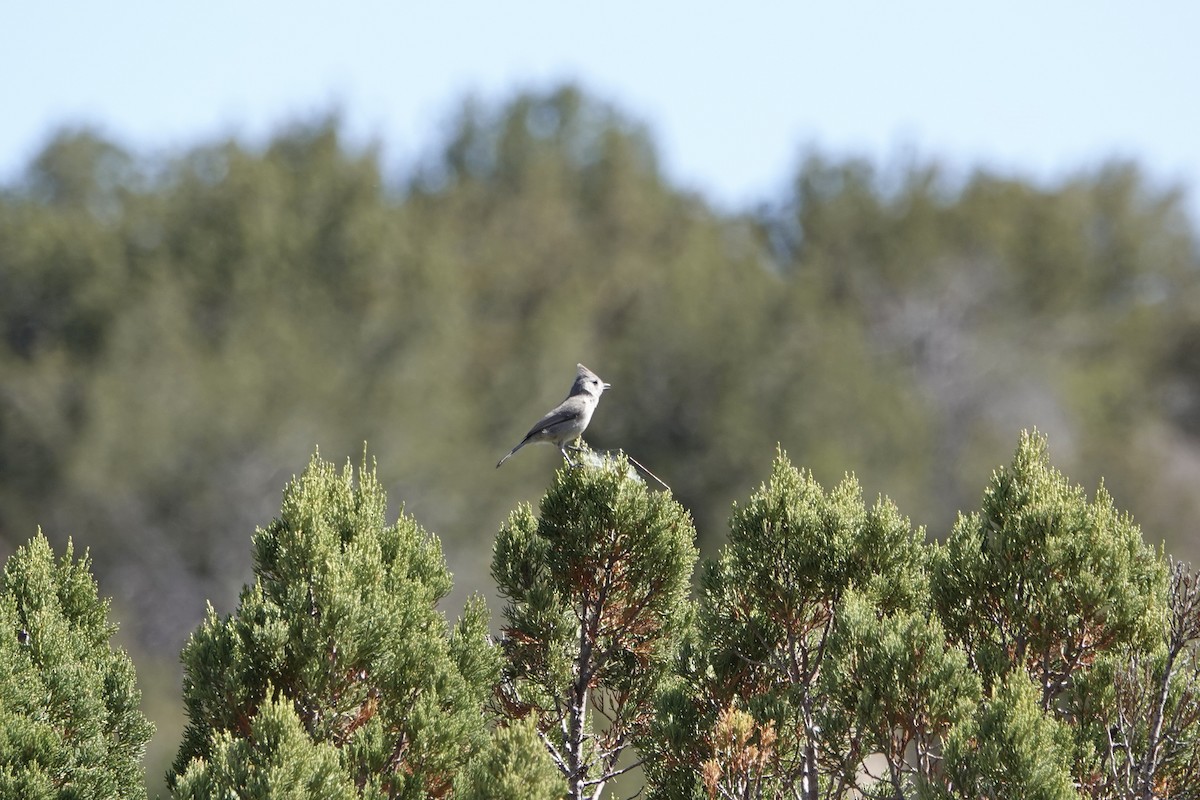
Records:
x=509, y=455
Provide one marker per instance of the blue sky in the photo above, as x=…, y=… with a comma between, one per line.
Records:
x=732, y=92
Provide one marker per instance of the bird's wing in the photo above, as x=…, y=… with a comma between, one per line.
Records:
x=565, y=412
x=552, y=419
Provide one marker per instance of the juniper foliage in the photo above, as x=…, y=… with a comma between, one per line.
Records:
x=339, y=638
x=70, y=726
x=1040, y=652
x=596, y=587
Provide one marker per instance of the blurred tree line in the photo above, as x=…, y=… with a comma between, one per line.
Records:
x=177, y=333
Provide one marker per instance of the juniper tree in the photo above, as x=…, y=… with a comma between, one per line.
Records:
x=1042, y=581
x=1059, y=603
x=596, y=590
x=838, y=655
x=337, y=649
x=69, y=720
x=758, y=688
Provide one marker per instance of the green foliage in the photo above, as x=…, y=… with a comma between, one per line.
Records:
x=793, y=552
x=340, y=626
x=596, y=589
x=895, y=688
x=514, y=766
x=1010, y=748
x=69, y=720
x=1042, y=581
x=768, y=621
x=839, y=655
x=276, y=759
x=793, y=543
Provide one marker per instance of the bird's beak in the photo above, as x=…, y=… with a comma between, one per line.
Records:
x=606, y=386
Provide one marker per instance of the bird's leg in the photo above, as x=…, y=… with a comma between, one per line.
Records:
x=576, y=446
x=563, y=449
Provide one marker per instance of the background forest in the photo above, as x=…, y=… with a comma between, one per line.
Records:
x=177, y=332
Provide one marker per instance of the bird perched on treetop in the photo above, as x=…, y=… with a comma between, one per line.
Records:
x=567, y=421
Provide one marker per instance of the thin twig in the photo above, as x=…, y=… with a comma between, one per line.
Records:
x=642, y=467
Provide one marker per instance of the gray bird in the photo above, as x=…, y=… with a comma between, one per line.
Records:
x=567, y=421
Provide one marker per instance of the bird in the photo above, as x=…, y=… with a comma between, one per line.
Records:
x=566, y=421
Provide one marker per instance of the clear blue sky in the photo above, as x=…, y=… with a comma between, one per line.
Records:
x=730, y=91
